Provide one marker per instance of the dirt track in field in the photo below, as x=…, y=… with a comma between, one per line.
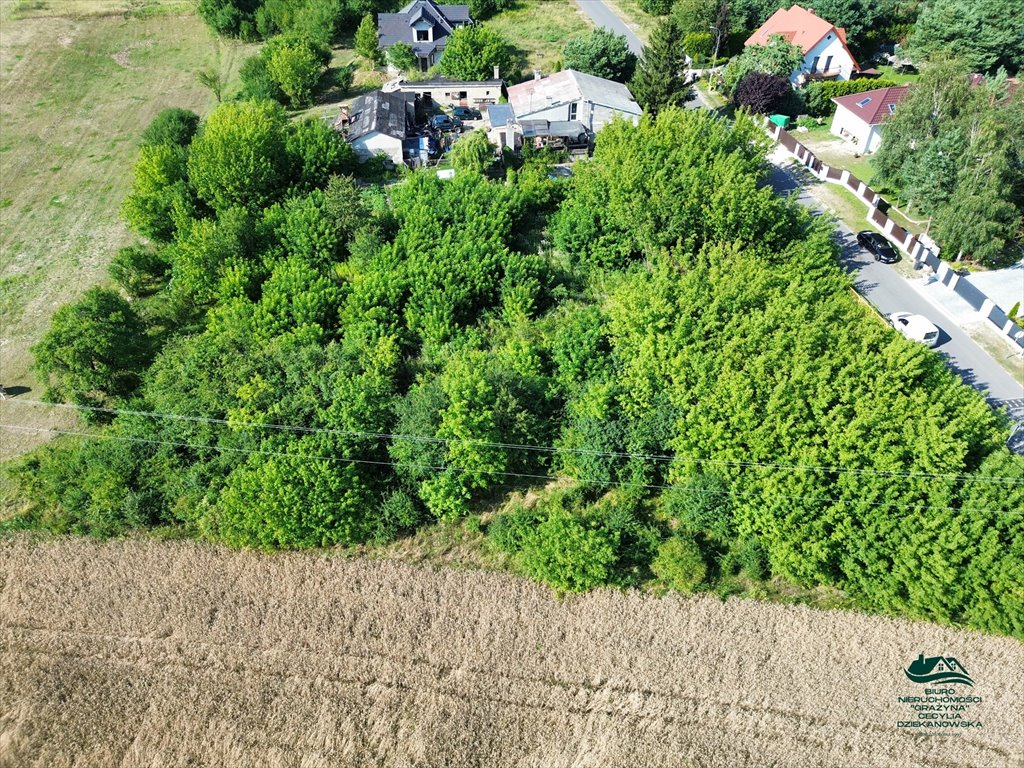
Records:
x=151, y=653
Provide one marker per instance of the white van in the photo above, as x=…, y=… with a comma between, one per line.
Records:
x=915, y=327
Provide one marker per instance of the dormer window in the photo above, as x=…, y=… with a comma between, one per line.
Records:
x=422, y=35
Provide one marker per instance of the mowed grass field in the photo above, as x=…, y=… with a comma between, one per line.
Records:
x=540, y=28
x=141, y=652
x=79, y=81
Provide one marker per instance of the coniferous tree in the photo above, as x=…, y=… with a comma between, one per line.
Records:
x=660, y=80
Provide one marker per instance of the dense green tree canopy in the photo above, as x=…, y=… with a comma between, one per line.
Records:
x=984, y=34
x=473, y=53
x=955, y=152
x=94, y=351
x=659, y=80
x=238, y=158
x=654, y=374
x=601, y=53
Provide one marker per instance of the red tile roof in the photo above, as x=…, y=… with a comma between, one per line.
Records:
x=873, y=106
x=800, y=27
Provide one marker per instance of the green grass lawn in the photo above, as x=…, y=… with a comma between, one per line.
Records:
x=539, y=28
x=888, y=73
x=75, y=93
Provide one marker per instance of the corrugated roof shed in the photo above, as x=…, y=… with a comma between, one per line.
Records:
x=389, y=113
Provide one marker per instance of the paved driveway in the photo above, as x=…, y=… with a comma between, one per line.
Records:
x=603, y=16
x=889, y=292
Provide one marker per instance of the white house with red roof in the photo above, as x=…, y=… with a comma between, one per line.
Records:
x=826, y=55
x=859, y=116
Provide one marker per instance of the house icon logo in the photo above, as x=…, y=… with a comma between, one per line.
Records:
x=938, y=669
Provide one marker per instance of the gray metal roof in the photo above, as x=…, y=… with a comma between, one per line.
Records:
x=568, y=86
x=500, y=114
x=389, y=113
x=397, y=27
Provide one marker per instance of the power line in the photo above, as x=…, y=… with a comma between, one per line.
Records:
x=495, y=472
x=513, y=446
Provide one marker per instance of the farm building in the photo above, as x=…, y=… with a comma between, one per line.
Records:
x=463, y=93
x=379, y=122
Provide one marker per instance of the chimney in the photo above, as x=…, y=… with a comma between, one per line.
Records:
x=497, y=73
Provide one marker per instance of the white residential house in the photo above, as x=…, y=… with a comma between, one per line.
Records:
x=826, y=55
x=859, y=116
x=573, y=97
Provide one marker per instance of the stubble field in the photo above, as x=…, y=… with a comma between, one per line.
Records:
x=140, y=652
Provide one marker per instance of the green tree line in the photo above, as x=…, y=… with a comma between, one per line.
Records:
x=669, y=345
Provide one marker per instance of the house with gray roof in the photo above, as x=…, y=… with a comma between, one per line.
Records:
x=423, y=24
x=379, y=122
x=572, y=96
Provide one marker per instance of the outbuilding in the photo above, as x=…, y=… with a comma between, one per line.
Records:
x=460, y=93
x=379, y=123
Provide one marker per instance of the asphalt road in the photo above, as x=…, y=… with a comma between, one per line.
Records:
x=889, y=292
x=603, y=16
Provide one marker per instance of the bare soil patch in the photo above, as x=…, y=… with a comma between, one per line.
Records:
x=140, y=652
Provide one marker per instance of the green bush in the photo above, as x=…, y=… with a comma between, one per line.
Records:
x=818, y=95
x=680, y=564
x=702, y=505
x=570, y=553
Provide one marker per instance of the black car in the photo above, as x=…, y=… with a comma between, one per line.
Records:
x=466, y=113
x=445, y=123
x=878, y=246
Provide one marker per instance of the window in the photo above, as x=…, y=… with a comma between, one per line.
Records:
x=892, y=109
x=864, y=102
x=422, y=35
x=828, y=63
x=463, y=94
x=814, y=64
x=572, y=111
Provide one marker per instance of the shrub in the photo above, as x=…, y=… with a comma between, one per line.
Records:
x=397, y=514
x=570, y=553
x=679, y=564
x=172, y=126
x=818, y=95
x=702, y=505
x=751, y=557
x=139, y=270
x=761, y=92
x=656, y=7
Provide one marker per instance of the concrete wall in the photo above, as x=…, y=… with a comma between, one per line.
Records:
x=374, y=143
x=451, y=94
x=907, y=242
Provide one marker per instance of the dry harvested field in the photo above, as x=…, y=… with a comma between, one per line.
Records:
x=141, y=652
